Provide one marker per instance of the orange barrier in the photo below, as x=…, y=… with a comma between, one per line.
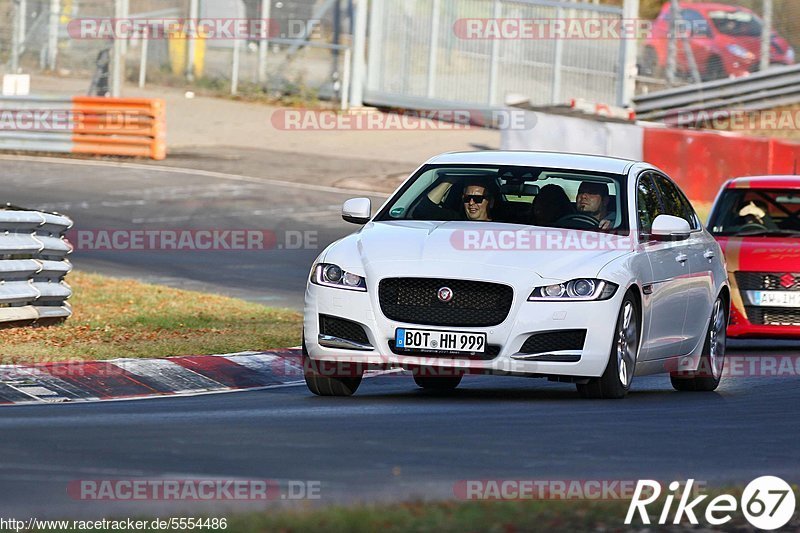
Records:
x=119, y=126
x=134, y=127
x=701, y=161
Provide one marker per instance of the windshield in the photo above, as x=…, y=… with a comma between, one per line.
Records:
x=545, y=197
x=753, y=212
x=736, y=23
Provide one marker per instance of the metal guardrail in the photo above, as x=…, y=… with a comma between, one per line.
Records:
x=33, y=265
x=778, y=86
x=134, y=127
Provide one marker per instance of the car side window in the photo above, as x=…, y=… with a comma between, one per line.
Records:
x=647, y=202
x=675, y=203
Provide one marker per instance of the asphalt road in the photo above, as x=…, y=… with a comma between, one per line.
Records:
x=394, y=441
x=290, y=200
x=390, y=441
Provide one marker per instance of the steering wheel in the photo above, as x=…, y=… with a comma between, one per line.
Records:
x=753, y=226
x=578, y=221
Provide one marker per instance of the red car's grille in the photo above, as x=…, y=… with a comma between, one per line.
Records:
x=773, y=316
x=769, y=281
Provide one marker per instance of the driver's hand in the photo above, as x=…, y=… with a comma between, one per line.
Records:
x=605, y=224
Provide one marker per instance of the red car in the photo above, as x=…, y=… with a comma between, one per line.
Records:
x=757, y=223
x=725, y=41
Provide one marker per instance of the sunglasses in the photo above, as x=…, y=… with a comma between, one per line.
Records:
x=477, y=198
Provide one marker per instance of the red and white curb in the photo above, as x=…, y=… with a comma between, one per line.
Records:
x=86, y=381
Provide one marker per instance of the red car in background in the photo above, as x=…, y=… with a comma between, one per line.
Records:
x=757, y=223
x=725, y=41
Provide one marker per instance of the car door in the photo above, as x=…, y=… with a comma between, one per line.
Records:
x=699, y=247
x=664, y=294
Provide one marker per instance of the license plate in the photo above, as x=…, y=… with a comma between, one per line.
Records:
x=439, y=341
x=776, y=298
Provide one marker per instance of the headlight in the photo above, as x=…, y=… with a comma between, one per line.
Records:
x=581, y=289
x=740, y=52
x=330, y=275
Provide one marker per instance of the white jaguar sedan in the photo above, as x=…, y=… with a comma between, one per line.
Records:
x=583, y=269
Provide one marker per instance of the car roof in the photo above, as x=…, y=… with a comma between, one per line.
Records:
x=609, y=165
x=765, y=182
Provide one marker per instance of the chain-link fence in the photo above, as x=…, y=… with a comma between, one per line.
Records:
x=419, y=52
x=302, y=49
x=707, y=41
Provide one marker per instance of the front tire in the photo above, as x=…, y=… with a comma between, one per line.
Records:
x=616, y=380
x=712, y=361
x=323, y=385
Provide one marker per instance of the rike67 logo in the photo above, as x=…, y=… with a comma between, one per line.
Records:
x=767, y=502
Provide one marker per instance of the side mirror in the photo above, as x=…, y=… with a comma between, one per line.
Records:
x=668, y=227
x=357, y=210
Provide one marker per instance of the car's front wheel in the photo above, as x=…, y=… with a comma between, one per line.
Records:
x=322, y=384
x=616, y=380
x=712, y=361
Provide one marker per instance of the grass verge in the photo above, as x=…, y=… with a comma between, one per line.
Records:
x=125, y=318
x=494, y=516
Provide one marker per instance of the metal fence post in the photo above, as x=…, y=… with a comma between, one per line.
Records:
x=117, y=61
x=16, y=37
x=558, y=60
x=375, y=67
x=495, y=57
x=627, y=81
x=433, y=51
x=766, y=35
x=143, y=58
x=359, y=54
x=52, y=35
x=235, y=67
x=263, y=42
x=194, y=12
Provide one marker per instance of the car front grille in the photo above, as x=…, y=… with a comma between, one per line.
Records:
x=492, y=351
x=554, y=341
x=773, y=316
x=416, y=301
x=342, y=329
x=770, y=281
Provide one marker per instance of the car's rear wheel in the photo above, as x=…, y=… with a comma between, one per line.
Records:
x=441, y=383
x=712, y=361
x=327, y=385
x=616, y=380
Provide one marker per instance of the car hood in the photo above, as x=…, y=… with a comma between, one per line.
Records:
x=761, y=254
x=550, y=253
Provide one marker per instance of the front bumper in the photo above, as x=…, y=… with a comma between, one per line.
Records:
x=598, y=318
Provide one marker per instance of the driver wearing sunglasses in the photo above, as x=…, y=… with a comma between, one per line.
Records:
x=477, y=201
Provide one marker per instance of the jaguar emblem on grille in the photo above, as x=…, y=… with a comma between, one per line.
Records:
x=445, y=294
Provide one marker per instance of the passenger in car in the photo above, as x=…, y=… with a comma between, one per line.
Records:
x=549, y=205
